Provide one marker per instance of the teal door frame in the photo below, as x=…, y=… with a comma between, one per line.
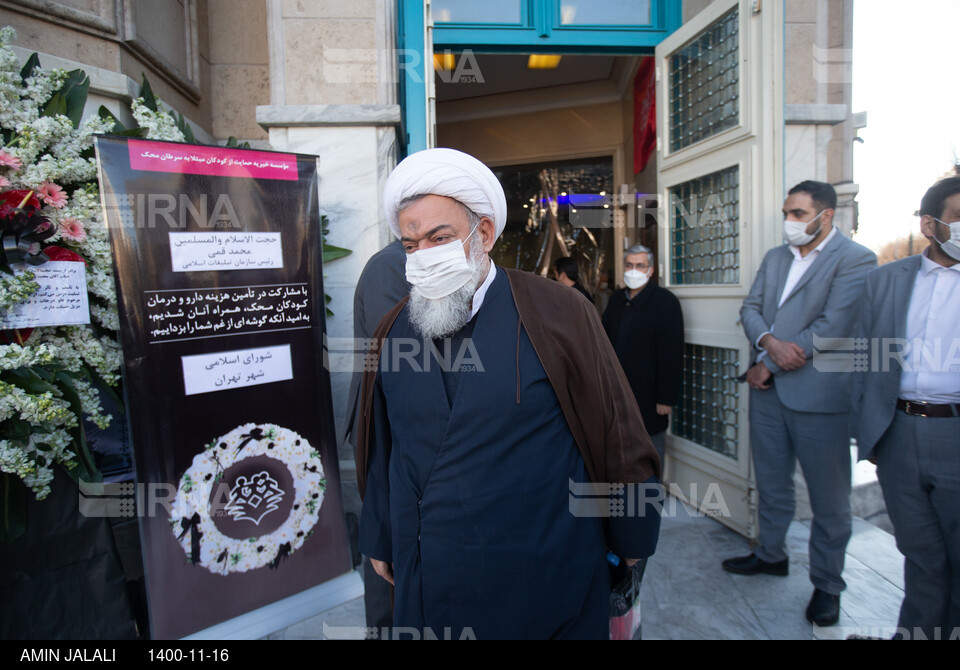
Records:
x=538, y=32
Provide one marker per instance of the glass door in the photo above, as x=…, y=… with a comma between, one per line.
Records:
x=719, y=181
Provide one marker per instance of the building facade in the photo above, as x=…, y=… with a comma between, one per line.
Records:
x=752, y=96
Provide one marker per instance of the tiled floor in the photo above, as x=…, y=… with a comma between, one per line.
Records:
x=687, y=595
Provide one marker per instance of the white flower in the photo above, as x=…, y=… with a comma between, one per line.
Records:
x=159, y=124
x=14, y=290
x=51, y=150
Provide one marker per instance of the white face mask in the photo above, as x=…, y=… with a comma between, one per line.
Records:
x=635, y=279
x=439, y=271
x=796, y=234
x=952, y=246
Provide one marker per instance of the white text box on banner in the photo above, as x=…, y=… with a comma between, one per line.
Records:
x=201, y=252
x=205, y=373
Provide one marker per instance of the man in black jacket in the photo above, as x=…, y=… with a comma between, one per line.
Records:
x=566, y=272
x=645, y=326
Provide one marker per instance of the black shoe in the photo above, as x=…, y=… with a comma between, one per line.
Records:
x=751, y=565
x=824, y=608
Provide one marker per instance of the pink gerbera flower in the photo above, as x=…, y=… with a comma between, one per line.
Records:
x=52, y=194
x=71, y=229
x=9, y=160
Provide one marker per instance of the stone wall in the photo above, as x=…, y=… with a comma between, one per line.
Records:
x=165, y=39
x=239, y=67
x=333, y=93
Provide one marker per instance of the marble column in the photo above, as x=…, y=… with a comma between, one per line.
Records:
x=809, y=131
x=333, y=95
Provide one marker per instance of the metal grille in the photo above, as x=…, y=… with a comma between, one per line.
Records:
x=708, y=413
x=705, y=229
x=704, y=84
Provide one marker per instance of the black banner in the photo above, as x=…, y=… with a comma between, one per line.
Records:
x=217, y=260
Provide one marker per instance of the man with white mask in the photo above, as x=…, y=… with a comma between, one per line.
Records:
x=908, y=412
x=645, y=325
x=481, y=412
x=806, y=291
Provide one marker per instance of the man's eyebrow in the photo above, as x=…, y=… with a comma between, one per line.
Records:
x=428, y=233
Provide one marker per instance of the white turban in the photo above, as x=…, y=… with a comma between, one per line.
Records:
x=450, y=173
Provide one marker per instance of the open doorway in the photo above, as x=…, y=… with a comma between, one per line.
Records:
x=559, y=134
x=558, y=209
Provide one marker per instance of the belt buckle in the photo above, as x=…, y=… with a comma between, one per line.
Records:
x=919, y=411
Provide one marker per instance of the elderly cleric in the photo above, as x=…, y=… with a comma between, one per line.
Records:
x=489, y=395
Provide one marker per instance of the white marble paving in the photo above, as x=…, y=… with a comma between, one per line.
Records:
x=686, y=595
x=878, y=549
x=345, y=622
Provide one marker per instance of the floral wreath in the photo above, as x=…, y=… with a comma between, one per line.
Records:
x=191, y=520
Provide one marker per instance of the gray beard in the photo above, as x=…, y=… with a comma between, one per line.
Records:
x=443, y=317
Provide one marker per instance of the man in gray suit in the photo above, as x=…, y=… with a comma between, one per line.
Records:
x=907, y=405
x=810, y=287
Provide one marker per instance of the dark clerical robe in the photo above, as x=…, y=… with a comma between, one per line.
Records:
x=466, y=455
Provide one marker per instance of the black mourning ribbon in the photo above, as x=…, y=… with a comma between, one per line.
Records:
x=193, y=525
x=24, y=228
x=255, y=434
x=282, y=554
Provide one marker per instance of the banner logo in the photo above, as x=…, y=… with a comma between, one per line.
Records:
x=254, y=498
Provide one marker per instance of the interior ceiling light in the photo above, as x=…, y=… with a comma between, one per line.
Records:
x=445, y=61
x=542, y=62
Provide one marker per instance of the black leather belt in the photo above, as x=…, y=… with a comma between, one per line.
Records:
x=914, y=408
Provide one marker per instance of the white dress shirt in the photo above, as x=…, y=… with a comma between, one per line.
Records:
x=801, y=264
x=798, y=268
x=931, y=371
x=482, y=291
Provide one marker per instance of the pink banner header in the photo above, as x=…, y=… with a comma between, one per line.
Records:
x=215, y=161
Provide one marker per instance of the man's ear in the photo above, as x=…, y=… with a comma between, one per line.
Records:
x=828, y=216
x=928, y=226
x=488, y=233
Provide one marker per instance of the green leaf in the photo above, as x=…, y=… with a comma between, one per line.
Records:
x=234, y=143
x=149, y=99
x=56, y=106
x=32, y=64
x=29, y=380
x=184, y=127
x=86, y=466
x=103, y=387
x=331, y=253
x=74, y=92
x=13, y=508
x=107, y=115
x=132, y=132
x=16, y=429
x=187, y=130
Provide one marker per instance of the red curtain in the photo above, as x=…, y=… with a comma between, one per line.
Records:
x=644, y=114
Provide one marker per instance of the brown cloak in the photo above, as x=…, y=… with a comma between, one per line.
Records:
x=583, y=369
